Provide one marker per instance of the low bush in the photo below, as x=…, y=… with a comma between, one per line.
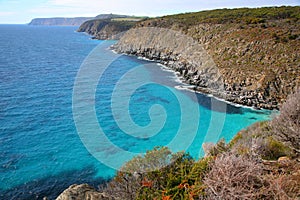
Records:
x=286, y=126
x=271, y=149
x=233, y=177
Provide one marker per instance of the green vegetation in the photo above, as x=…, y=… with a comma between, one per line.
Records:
x=101, y=23
x=245, y=15
x=181, y=178
x=273, y=149
x=214, y=150
x=106, y=28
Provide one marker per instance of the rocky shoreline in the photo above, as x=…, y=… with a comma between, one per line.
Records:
x=192, y=62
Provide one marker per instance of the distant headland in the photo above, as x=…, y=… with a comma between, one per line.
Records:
x=70, y=21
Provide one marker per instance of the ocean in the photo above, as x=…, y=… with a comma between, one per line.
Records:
x=72, y=111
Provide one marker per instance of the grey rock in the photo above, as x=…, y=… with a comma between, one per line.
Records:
x=81, y=192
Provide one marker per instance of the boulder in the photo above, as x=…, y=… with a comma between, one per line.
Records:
x=81, y=192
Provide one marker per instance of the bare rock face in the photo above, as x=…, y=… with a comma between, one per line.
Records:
x=177, y=51
x=104, y=29
x=81, y=192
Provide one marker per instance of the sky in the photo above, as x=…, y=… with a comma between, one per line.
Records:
x=22, y=11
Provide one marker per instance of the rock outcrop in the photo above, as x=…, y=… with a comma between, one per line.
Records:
x=103, y=29
x=177, y=51
x=81, y=192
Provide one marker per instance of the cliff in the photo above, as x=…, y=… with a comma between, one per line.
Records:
x=60, y=21
x=177, y=51
x=256, y=51
x=105, y=29
x=110, y=27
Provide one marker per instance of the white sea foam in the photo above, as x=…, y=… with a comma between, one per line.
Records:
x=114, y=51
x=184, y=86
x=164, y=68
x=176, y=75
x=190, y=88
x=144, y=58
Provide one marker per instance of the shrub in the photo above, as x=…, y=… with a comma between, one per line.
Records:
x=286, y=126
x=272, y=149
x=292, y=37
x=157, y=174
x=233, y=177
x=235, y=139
x=283, y=183
x=135, y=175
x=153, y=160
x=214, y=150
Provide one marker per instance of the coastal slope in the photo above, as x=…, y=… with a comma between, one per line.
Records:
x=256, y=51
x=103, y=29
x=110, y=27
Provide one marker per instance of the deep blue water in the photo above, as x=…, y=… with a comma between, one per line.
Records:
x=49, y=137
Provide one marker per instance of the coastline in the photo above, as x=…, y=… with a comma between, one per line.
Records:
x=163, y=64
x=191, y=88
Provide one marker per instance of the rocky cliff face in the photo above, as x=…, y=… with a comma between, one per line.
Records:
x=177, y=51
x=60, y=21
x=258, y=62
x=103, y=29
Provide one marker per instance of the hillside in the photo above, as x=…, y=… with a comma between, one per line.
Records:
x=107, y=28
x=257, y=51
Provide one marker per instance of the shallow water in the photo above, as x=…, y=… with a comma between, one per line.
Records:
x=40, y=149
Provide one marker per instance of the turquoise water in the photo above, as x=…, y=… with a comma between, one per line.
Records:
x=47, y=119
